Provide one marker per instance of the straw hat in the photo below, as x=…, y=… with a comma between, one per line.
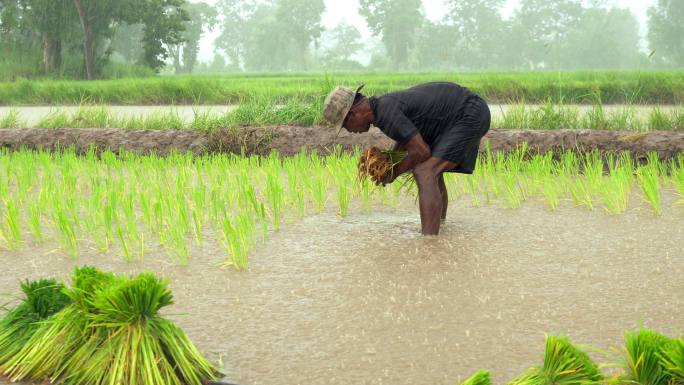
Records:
x=337, y=105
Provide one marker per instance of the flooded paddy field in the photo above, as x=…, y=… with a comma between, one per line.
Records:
x=366, y=299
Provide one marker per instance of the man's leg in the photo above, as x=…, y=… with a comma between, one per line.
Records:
x=444, y=194
x=429, y=196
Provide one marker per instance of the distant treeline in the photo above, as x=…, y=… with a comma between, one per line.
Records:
x=590, y=87
x=122, y=38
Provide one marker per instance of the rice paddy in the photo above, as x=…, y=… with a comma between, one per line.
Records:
x=272, y=288
x=132, y=203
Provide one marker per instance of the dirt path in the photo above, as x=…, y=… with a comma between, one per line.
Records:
x=291, y=139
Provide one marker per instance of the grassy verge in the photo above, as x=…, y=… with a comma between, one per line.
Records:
x=653, y=87
x=261, y=112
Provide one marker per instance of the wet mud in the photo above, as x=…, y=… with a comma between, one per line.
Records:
x=291, y=139
x=367, y=300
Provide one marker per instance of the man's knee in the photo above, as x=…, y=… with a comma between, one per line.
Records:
x=424, y=174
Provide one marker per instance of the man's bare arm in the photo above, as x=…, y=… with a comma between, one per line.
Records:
x=418, y=152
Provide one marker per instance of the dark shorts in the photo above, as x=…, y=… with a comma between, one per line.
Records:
x=461, y=143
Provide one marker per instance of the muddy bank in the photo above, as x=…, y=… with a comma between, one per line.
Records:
x=291, y=139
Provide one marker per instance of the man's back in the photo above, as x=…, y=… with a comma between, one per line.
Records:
x=430, y=108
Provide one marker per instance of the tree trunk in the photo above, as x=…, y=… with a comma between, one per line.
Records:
x=88, y=40
x=52, y=53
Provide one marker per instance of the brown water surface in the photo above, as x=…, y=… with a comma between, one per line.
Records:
x=366, y=300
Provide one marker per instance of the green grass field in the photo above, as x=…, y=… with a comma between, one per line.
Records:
x=631, y=87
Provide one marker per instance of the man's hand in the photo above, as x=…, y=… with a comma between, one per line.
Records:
x=386, y=179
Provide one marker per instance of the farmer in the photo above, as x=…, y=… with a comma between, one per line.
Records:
x=440, y=124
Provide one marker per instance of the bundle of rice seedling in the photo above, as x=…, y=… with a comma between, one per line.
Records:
x=672, y=360
x=376, y=163
x=130, y=343
x=480, y=378
x=45, y=352
x=564, y=364
x=644, y=350
x=42, y=299
x=111, y=333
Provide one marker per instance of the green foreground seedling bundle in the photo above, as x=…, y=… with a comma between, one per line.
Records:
x=105, y=329
x=650, y=358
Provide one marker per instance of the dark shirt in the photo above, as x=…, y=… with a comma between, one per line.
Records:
x=429, y=108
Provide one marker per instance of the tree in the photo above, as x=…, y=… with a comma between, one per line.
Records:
x=28, y=24
x=396, y=21
x=162, y=20
x=300, y=21
x=202, y=17
x=666, y=31
x=541, y=27
x=53, y=20
x=603, y=38
x=436, y=47
x=339, y=44
x=479, y=30
x=269, y=35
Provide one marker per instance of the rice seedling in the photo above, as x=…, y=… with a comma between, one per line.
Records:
x=481, y=377
x=658, y=120
x=12, y=120
x=672, y=360
x=317, y=183
x=105, y=330
x=129, y=342
x=563, y=364
x=55, y=119
x=49, y=346
x=677, y=171
x=239, y=239
x=649, y=181
x=377, y=164
x=615, y=189
x=643, y=349
x=275, y=196
x=11, y=234
x=42, y=299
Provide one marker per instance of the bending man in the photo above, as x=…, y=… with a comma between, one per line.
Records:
x=440, y=124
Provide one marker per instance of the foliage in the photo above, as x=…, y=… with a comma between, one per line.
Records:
x=269, y=35
x=396, y=21
x=666, y=31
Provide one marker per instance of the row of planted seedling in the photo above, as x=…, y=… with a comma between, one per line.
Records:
x=180, y=201
x=133, y=203
x=593, y=180
x=648, y=358
x=104, y=329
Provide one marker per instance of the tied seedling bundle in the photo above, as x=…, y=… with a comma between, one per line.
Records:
x=377, y=164
x=42, y=299
x=111, y=333
x=564, y=364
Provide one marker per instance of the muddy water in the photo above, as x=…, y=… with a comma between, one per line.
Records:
x=31, y=115
x=366, y=300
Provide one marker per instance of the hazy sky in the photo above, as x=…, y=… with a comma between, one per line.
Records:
x=337, y=11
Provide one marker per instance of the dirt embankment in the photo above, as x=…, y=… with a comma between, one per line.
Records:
x=291, y=139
